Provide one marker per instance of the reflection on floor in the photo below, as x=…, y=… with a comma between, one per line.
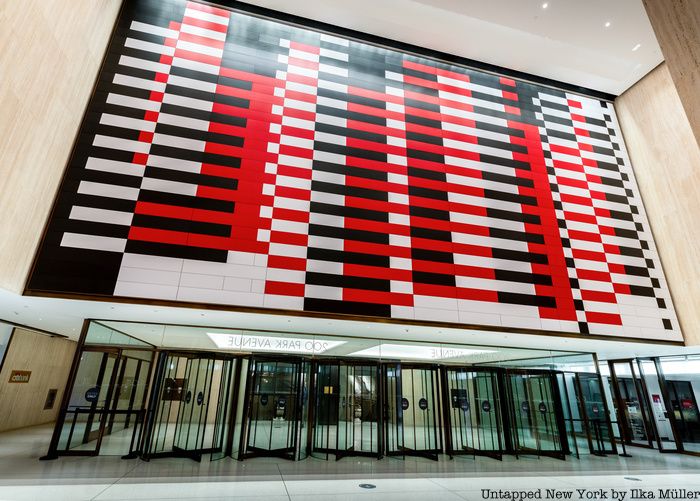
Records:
x=23, y=476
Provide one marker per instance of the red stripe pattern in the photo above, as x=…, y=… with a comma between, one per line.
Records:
x=233, y=160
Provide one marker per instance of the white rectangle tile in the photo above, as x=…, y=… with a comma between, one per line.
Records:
x=114, y=166
x=201, y=281
x=101, y=215
x=93, y=242
x=237, y=284
x=154, y=291
x=152, y=262
x=144, y=276
x=163, y=185
x=108, y=190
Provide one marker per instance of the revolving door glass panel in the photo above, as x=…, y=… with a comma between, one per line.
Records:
x=190, y=404
x=536, y=420
x=347, y=410
x=274, y=409
x=631, y=404
x=685, y=409
x=591, y=397
x=412, y=411
x=474, y=415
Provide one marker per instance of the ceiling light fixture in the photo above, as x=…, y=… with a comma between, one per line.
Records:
x=607, y=24
x=636, y=47
x=545, y=5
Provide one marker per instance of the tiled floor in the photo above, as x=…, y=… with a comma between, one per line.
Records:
x=24, y=477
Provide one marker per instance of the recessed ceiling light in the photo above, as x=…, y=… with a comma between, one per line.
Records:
x=545, y=5
x=607, y=24
x=636, y=47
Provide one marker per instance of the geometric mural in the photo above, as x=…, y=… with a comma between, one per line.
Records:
x=234, y=160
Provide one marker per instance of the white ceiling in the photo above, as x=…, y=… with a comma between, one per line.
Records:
x=65, y=317
x=568, y=41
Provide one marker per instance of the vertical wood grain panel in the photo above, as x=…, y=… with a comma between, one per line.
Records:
x=50, y=52
x=666, y=162
x=49, y=359
x=676, y=24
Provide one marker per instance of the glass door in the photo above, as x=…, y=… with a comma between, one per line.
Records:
x=347, y=417
x=473, y=412
x=412, y=410
x=685, y=410
x=681, y=393
x=128, y=401
x=87, y=412
x=190, y=406
x=658, y=403
x=631, y=404
x=274, y=408
x=358, y=415
x=589, y=391
x=536, y=416
x=326, y=408
x=191, y=420
x=104, y=411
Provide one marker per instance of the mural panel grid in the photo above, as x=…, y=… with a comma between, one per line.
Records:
x=235, y=160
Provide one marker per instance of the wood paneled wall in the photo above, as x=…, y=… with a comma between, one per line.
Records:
x=50, y=53
x=676, y=24
x=49, y=359
x=666, y=162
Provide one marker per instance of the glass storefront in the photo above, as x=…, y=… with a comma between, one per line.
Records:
x=153, y=391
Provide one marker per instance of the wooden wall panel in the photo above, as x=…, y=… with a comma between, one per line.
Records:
x=676, y=24
x=666, y=161
x=50, y=52
x=49, y=359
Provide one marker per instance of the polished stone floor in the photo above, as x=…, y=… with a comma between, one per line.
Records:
x=24, y=477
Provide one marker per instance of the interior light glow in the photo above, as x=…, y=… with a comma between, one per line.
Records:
x=545, y=5
x=685, y=368
x=416, y=352
x=636, y=47
x=607, y=24
x=248, y=342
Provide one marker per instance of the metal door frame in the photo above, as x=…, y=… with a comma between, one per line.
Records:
x=290, y=452
x=338, y=362
x=437, y=414
x=644, y=406
x=108, y=412
x=150, y=418
x=558, y=413
x=497, y=404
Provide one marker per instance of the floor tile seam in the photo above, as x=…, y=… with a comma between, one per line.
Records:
x=119, y=479
x=284, y=483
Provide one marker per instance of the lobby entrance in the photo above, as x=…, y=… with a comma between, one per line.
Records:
x=276, y=405
x=347, y=416
x=189, y=406
x=254, y=394
x=473, y=409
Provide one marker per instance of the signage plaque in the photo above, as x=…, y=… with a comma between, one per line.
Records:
x=20, y=376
